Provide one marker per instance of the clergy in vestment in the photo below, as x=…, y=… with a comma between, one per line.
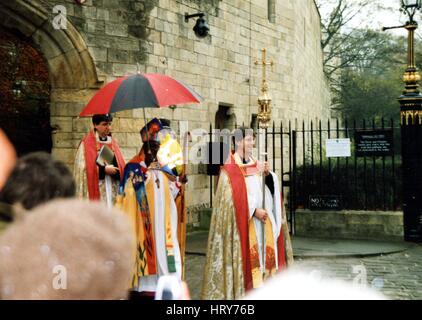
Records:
x=147, y=194
x=94, y=180
x=171, y=159
x=247, y=243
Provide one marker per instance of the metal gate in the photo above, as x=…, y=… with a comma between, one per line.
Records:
x=362, y=181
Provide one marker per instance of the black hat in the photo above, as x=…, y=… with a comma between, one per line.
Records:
x=98, y=118
x=154, y=126
x=165, y=122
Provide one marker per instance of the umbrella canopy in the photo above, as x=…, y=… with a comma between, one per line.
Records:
x=149, y=90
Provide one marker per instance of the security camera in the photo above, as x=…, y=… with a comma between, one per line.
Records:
x=201, y=27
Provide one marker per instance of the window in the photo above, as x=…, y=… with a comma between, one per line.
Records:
x=254, y=122
x=271, y=11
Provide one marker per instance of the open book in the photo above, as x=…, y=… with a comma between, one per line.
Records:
x=105, y=156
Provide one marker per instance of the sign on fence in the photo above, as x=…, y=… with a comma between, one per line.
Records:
x=327, y=202
x=374, y=143
x=336, y=148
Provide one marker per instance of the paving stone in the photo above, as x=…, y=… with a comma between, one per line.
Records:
x=399, y=275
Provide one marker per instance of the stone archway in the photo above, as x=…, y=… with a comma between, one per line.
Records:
x=73, y=74
x=68, y=58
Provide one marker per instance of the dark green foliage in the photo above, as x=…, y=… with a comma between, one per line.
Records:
x=370, y=88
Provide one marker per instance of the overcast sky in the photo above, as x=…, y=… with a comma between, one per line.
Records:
x=390, y=17
x=382, y=13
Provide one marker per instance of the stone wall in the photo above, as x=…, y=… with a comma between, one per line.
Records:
x=116, y=37
x=365, y=225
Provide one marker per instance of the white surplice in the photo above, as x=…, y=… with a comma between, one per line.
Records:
x=149, y=283
x=272, y=207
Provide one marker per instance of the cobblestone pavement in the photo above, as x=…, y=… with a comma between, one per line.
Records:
x=398, y=276
x=194, y=273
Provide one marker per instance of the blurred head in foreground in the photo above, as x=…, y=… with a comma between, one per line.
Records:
x=67, y=249
x=301, y=285
x=37, y=178
x=8, y=158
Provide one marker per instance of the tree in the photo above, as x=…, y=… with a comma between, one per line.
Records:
x=24, y=70
x=24, y=94
x=366, y=95
x=371, y=91
x=344, y=46
x=363, y=65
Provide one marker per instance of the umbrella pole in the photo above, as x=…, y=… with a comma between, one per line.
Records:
x=147, y=132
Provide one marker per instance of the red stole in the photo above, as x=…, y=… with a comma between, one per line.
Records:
x=138, y=159
x=91, y=152
x=240, y=200
x=282, y=264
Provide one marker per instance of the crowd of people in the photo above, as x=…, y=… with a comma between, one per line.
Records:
x=117, y=230
x=113, y=227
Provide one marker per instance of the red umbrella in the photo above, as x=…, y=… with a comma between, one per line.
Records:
x=149, y=90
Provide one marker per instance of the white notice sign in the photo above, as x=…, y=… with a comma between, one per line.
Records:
x=338, y=148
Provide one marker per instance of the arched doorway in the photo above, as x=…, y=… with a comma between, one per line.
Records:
x=24, y=94
x=72, y=72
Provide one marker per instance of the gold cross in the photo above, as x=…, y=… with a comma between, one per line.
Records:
x=264, y=63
